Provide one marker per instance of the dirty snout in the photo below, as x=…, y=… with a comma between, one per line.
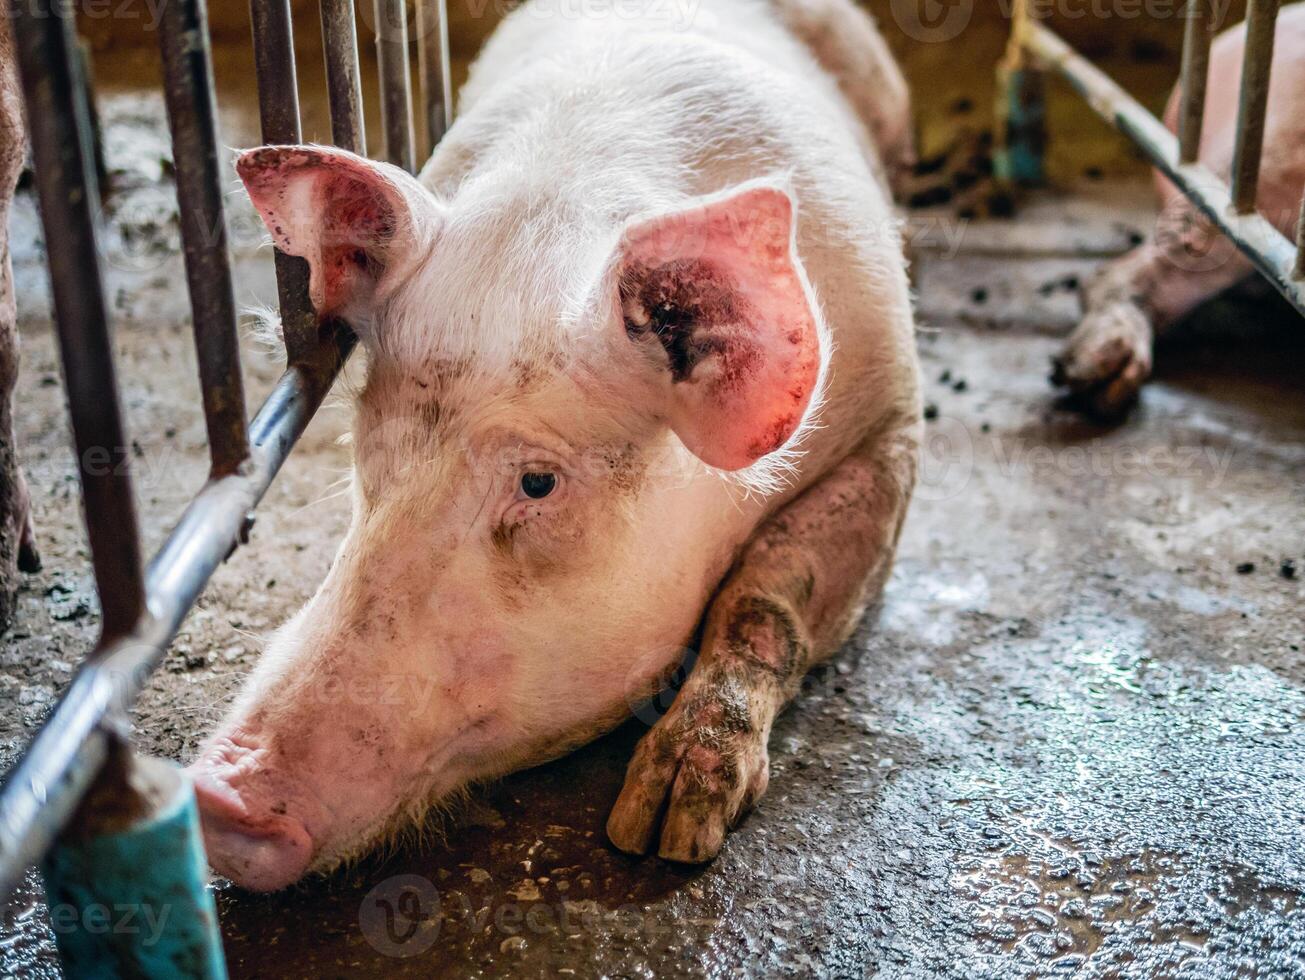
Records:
x=348, y=728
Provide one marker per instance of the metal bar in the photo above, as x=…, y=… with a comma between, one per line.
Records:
x=396, y=82
x=274, y=69
x=70, y=202
x=1261, y=18
x=1195, y=74
x=433, y=68
x=192, y=119
x=278, y=112
x=42, y=791
x=1267, y=248
x=343, y=80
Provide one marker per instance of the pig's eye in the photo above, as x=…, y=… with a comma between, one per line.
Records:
x=537, y=486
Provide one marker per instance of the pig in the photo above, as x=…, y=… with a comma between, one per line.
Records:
x=640, y=368
x=17, y=537
x=1187, y=260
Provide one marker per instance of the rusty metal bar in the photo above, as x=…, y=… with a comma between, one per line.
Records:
x=274, y=68
x=278, y=112
x=60, y=131
x=1268, y=249
x=433, y=69
x=396, y=83
x=142, y=612
x=42, y=791
x=1257, y=60
x=192, y=119
x=343, y=81
x=1197, y=33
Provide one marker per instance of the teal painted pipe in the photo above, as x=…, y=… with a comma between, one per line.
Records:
x=132, y=901
x=1021, y=115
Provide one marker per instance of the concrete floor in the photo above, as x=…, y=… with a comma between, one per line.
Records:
x=1071, y=740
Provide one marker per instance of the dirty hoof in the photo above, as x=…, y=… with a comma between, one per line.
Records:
x=1105, y=361
x=695, y=774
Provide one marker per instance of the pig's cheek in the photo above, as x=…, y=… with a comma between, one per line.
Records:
x=545, y=549
x=470, y=682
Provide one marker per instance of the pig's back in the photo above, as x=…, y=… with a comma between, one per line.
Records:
x=710, y=103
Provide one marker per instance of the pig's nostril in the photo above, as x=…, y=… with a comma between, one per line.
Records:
x=254, y=845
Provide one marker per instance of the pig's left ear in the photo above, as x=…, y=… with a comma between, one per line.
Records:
x=357, y=222
x=717, y=299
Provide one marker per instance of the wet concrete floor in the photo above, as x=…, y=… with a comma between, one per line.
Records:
x=1070, y=740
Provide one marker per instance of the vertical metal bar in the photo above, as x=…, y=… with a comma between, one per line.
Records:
x=396, y=82
x=192, y=118
x=278, y=112
x=60, y=131
x=1261, y=18
x=274, y=68
x=1195, y=73
x=343, y=81
x=433, y=67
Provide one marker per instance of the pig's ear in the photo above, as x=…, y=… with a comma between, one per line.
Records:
x=355, y=221
x=717, y=299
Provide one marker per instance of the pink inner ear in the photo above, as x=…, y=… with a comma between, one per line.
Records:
x=336, y=210
x=720, y=289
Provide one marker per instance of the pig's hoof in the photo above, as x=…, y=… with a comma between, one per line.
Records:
x=699, y=770
x=1106, y=360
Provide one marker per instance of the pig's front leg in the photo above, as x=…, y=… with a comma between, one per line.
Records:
x=1135, y=297
x=791, y=601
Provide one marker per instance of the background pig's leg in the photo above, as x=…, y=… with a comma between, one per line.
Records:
x=791, y=601
x=17, y=542
x=1131, y=299
x=848, y=45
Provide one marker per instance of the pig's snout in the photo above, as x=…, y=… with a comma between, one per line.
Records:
x=252, y=832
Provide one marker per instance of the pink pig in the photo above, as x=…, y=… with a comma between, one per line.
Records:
x=1187, y=260
x=640, y=358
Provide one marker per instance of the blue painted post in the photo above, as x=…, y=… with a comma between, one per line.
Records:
x=127, y=884
x=1021, y=108
x=1021, y=123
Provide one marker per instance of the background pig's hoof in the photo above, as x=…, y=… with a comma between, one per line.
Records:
x=1105, y=361
x=699, y=770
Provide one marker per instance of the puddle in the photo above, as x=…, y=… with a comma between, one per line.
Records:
x=1065, y=905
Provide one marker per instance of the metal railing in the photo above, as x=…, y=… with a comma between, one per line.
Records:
x=1229, y=204
x=144, y=606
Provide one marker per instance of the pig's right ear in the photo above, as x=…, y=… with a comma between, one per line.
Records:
x=358, y=223
x=716, y=298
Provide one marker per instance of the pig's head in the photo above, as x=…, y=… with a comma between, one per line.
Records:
x=552, y=395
